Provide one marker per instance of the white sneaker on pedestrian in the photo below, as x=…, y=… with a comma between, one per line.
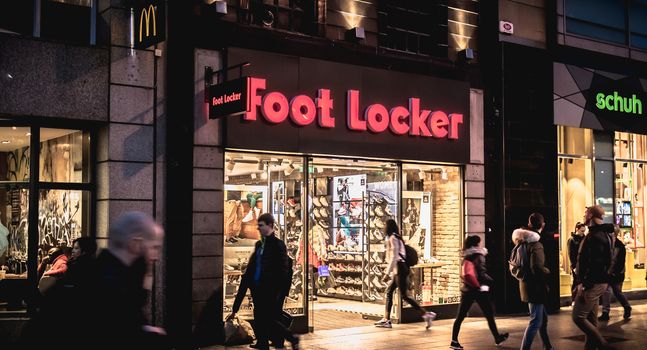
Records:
x=383, y=324
x=429, y=317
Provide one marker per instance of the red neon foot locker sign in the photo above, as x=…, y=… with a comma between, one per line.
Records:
x=303, y=110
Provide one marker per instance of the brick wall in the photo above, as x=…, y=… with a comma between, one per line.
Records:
x=447, y=231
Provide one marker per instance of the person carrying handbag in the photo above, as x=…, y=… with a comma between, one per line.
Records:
x=475, y=287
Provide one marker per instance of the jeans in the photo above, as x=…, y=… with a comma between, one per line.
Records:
x=617, y=291
x=585, y=315
x=467, y=299
x=538, y=321
x=400, y=282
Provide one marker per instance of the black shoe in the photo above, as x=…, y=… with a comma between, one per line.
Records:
x=259, y=346
x=627, y=314
x=604, y=317
x=295, y=343
x=455, y=345
x=501, y=338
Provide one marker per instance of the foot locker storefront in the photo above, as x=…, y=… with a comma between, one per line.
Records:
x=333, y=151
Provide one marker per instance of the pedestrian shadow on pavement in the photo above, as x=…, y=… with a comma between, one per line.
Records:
x=610, y=339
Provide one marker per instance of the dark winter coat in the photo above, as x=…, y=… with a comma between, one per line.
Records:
x=594, y=258
x=274, y=271
x=476, y=255
x=619, y=256
x=573, y=248
x=534, y=289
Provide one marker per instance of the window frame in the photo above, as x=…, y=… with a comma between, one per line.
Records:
x=35, y=185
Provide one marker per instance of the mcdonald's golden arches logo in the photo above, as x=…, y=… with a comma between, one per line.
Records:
x=149, y=21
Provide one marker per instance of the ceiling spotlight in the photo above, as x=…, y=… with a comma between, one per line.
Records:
x=289, y=170
x=264, y=175
x=6, y=141
x=443, y=175
x=253, y=175
x=421, y=174
x=231, y=164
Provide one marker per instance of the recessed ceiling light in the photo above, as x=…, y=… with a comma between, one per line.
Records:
x=6, y=141
x=13, y=128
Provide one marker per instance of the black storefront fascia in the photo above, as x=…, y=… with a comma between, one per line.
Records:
x=294, y=75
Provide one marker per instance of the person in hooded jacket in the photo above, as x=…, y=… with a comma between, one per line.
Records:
x=534, y=288
x=573, y=247
x=475, y=287
x=616, y=279
x=593, y=264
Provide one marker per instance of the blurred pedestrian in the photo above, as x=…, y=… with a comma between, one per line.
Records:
x=476, y=284
x=593, y=263
x=134, y=244
x=533, y=289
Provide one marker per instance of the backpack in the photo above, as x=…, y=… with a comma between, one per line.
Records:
x=411, y=255
x=518, y=263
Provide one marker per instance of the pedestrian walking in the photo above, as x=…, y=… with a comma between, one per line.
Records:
x=533, y=288
x=398, y=272
x=476, y=284
x=593, y=264
x=267, y=276
x=615, y=280
x=574, y=247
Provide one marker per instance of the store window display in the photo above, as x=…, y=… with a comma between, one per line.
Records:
x=431, y=223
x=64, y=194
x=256, y=184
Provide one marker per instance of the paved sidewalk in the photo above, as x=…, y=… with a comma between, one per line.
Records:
x=474, y=334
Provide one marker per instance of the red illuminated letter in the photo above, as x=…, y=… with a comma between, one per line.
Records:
x=354, y=123
x=253, y=98
x=418, y=120
x=325, y=105
x=438, y=123
x=398, y=125
x=377, y=117
x=297, y=113
x=270, y=102
x=455, y=120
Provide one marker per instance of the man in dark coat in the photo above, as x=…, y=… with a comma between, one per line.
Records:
x=593, y=264
x=573, y=249
x=134, y=244
x=268, y=279
x=616, y=278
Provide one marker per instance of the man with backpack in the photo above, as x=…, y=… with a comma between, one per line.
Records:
x=527, y=265
x=594, y=262
x=268, y=277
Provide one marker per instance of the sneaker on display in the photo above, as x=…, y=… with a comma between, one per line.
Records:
x=315, y=201
x=383, y=323
x=323, y=201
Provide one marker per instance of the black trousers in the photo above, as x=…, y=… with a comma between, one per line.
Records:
x=467, y=299
x=267, y=309
x=400, y=282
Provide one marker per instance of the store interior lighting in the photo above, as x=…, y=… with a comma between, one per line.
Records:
x=421, y=175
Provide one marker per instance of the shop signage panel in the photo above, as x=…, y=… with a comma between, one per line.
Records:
x=595, y=99
x=229, y=98
x=149, y=23
x=304, y=105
